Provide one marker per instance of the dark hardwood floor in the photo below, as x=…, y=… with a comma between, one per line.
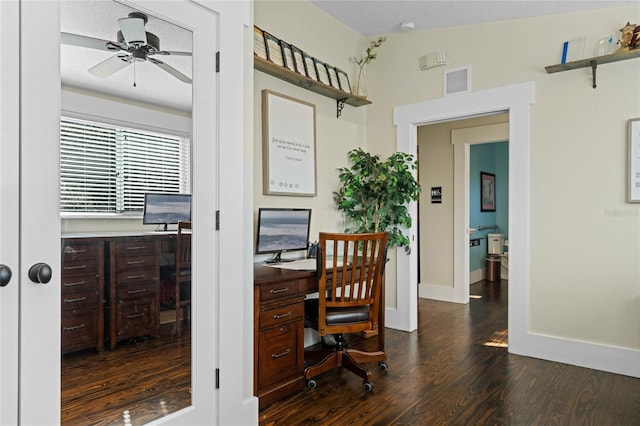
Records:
x=141, y=380
x=455, y=370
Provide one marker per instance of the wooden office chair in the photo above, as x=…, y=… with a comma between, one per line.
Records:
x=350, y=270
x=183, y=273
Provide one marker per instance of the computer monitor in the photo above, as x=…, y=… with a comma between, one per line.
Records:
x=166, y=209
x=282, y=230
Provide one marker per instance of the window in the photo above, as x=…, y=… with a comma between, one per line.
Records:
x=108, y=169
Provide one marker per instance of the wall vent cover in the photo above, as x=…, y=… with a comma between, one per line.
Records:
x=458, y=80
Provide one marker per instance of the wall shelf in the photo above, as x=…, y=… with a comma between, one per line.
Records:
x=593, y=62
x=294, y=78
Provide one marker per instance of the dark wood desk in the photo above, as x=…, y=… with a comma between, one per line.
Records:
x=110, y=281
x=278, y=313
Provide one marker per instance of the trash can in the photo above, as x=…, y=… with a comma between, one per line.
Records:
x=493, y=268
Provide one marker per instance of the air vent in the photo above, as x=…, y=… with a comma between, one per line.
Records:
x=458, y=80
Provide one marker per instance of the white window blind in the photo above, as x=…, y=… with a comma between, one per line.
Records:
x=108, y=169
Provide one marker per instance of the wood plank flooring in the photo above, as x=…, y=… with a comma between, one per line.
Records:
x=141, y=380
x=454, y=370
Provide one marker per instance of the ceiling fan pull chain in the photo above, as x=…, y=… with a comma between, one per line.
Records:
x=134, y=72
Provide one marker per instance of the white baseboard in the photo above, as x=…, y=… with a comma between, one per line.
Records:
x=475, y=276
x=599, y=357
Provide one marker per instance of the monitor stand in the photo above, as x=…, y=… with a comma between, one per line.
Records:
x=277, y=258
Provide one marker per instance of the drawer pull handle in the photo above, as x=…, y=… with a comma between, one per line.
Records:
x=135, y=262
x=280, y=290
x=78, y=299
x=288, y=314
x=71, y=268
x=71, y=250
x=136, y=248
x=74, y=283
x=135, y=277
x=142, y=290
x=287, y=352
x=77, y=327
x=132, y=316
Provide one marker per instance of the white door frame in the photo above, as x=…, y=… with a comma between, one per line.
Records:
x=516, y=99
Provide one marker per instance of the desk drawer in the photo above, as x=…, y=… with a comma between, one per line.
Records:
x=279, y=352
x=79, y=267
x=135, y=246
x=136, y=276
x=136, y=318
x=135, y=262
x=80, y=299
x=278, y=290
x=73, y=249
x=79, y=329
x=79, y=283
x=136, y=291
x=282, y=314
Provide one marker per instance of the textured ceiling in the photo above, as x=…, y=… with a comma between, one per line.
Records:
x=372, y=17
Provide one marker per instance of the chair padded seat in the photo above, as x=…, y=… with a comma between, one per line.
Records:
x=334, y=315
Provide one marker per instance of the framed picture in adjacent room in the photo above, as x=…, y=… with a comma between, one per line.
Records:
x=487, y=192
x=288, y=145
x=634, y=161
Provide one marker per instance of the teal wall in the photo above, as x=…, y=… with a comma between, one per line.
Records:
x=491, y=158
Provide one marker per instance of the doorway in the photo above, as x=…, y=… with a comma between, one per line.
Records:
x=515, y=99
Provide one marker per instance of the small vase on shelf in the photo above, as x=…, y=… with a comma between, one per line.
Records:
x=360, y=89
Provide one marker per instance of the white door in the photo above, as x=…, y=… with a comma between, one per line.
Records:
x=29, y=208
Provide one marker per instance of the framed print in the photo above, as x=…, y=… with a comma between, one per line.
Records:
x=310, y=66
x=487, y=192
x=298, y=58
x=343, y=79
x=288, y=145
x=274, y=51
x=333, y=77
x=634, y=161
x=259, y=47
x=323, y=74
x=287, y=53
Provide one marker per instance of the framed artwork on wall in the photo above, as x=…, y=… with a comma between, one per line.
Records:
x=487, y=192
x=288, y=145
x=633, y=195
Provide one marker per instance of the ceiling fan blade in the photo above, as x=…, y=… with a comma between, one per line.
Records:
x=90, y=42
x=168, y=68
x=110, y=66
x=170, y=52
x=133, y=30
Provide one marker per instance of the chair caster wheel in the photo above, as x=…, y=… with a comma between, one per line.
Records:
x=368, y=386
x=312, y=384
x=382, y=366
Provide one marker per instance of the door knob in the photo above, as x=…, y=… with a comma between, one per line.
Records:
x=5, y=275
x=40, y=273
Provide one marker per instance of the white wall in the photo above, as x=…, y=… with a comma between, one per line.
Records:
x=584, y=283
x=312, y=30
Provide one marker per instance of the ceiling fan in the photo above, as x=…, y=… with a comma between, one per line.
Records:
x=134, y=44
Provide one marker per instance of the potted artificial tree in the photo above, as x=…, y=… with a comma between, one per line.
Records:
x=374, y=193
